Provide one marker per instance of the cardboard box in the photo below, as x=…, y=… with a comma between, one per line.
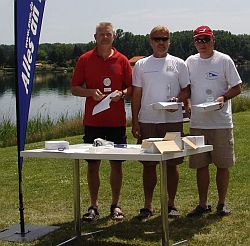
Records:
x=171, y=142
x=207, y=106
x=166, y=105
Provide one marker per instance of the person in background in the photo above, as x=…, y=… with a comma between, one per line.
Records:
x=158, y=78
x=213, y=77
x=99, y=72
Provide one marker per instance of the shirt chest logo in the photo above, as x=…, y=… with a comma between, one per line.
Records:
x=170, y=68
x=211, y=75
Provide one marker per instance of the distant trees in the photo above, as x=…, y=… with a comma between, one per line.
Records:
x=132, y=45
x=236, y=46
x=182, y=44
x=7, y=56
x=60, y=54
x=66, y=55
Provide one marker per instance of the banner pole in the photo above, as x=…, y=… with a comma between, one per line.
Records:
x=21, y=208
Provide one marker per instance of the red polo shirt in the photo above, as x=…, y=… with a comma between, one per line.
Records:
x=107, y=75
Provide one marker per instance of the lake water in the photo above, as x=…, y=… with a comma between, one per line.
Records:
x=51, y=96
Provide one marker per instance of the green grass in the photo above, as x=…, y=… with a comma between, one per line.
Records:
x=48, y=200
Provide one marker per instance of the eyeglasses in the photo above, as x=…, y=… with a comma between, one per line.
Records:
x=158, y=39
x=202, y=40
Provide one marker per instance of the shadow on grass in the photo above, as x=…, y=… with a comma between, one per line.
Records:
x=185, y=228
x=130, y=232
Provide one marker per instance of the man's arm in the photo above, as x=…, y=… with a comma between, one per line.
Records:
x=80, y=91
x=136, y=105
x=182, y=97
x=231, y=93
x=184, y=94
x=127, y=92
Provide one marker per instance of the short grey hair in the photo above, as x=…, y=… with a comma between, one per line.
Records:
x=104, y=24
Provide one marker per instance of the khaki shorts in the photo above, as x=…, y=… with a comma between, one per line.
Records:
x=150, y=130
x=223, y=148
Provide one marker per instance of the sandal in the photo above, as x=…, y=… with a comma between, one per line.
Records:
x=116, y=213
x=222, y=210
x=172, y=212
x=92, y=215
x=199, y=211
x=144, y=213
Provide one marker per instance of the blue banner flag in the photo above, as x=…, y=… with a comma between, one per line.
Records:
x=28, y=21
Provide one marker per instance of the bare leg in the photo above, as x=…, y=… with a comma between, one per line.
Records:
x=172, y=183
x=149, y=183
x=116, y=180
x=222, y=180
x=93, y=181
x=203, y=180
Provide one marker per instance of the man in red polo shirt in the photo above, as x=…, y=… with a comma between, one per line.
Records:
x=98, y=73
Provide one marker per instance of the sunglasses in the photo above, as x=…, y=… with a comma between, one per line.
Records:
x=202, y=40
x=158, y=39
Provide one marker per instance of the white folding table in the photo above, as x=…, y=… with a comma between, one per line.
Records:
x=131, y=153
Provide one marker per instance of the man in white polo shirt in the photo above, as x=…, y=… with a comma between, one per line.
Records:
x=158, y=78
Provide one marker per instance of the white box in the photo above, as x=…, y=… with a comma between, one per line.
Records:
x=207, y=106
x=196, y=140
x=166, y=105
x=56, y=145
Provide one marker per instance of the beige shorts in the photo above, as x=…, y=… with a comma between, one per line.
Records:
x=149, y=130
x=223, y=148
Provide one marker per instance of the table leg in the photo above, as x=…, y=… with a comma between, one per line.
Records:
x=76, y=185
x=77, y=214
x=164, y=203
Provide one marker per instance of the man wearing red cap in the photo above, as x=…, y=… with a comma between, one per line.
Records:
x=213, y=77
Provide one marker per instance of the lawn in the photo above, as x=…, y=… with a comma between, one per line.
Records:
x=48, y=196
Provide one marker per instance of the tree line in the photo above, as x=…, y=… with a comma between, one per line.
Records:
x=66, y=55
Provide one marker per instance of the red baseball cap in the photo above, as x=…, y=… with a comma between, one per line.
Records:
x=203, y=31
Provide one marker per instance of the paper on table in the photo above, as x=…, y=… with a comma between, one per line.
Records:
x=66, y=150
x=104, y=104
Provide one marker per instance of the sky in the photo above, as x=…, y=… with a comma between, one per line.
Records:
x=74, y=21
